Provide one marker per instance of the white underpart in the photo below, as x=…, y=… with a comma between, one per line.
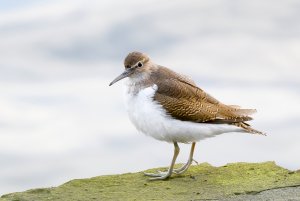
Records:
x=151, y=118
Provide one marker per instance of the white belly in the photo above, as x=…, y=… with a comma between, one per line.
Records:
x=150, y=118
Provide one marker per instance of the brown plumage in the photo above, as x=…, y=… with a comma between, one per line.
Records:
x=183, y=100
x=135, y=57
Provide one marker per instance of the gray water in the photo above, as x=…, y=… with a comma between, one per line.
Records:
x=59, y=120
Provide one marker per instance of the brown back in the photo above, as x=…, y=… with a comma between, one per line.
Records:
x=183, y=100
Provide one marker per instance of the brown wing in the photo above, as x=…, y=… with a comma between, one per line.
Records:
x=183, y=100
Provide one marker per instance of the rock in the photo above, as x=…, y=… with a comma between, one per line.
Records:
x=237, y=181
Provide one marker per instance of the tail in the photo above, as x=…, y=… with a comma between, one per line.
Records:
x=248, y=128
x=238, y=111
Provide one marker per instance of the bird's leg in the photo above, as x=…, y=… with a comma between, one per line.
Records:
x=165, y=175
x=189, y=162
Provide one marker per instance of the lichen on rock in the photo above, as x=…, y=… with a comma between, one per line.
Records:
x=200, y=182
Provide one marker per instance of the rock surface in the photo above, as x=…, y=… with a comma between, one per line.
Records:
x=238, y=181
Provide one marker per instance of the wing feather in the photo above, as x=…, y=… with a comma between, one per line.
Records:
x=183, y=100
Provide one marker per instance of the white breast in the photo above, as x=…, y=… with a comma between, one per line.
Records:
x=150, y=118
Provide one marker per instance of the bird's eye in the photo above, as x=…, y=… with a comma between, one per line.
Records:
x=140, y=64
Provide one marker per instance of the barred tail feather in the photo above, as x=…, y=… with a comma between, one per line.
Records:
x=248, y=128
x=245, y=112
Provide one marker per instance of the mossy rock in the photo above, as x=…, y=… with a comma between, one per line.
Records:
x=201, y=182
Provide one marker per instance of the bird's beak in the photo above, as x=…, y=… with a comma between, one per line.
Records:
x=125, y=74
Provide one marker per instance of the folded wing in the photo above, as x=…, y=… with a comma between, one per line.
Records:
x=183, y=100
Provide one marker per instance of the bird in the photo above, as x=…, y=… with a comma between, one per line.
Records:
x=170, y=107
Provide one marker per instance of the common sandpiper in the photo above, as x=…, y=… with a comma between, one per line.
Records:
x=170, y=107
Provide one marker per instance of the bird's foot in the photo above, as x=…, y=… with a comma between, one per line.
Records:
x=184, y=168
x=158, y=176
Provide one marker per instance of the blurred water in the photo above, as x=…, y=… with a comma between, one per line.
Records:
x=59, y=120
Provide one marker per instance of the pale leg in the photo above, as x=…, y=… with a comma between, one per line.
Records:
x=165, y=175
x=185, y=167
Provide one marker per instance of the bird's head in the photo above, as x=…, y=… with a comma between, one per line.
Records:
x=136, y=63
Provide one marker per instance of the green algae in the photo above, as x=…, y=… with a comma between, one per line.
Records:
x=201, y=182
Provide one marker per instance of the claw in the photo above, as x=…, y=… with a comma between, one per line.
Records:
x=158, y=176
x=151, y=174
